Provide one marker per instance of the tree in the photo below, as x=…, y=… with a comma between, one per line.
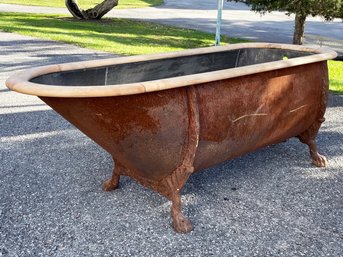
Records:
x=329, y=9
x=93, y=13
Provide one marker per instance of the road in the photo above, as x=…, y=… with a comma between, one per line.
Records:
x=238, y=21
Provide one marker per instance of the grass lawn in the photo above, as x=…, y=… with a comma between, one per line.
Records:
x=85, y=4
x=121, y=36
x=336, y=76
x=126, y=37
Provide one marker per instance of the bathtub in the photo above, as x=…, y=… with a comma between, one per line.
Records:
x=165, y=116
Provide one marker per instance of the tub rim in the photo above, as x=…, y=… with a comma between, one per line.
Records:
x=19, y=82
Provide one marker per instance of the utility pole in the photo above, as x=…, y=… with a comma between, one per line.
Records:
x=219, y=21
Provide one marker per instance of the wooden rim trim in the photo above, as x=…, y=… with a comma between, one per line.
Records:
x=20, y=82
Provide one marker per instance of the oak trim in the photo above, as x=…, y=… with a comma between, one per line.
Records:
x=19, y=82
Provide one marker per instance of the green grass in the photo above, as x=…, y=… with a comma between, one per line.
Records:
x=336, y=76
x=85, y=4
x=121, y=36
x=126, y=37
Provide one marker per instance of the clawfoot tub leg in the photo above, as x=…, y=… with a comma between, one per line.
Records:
x=173, y=185
x=112, y=183
x=308, y=138
x=177, y=180
x=317, y=159
x=180, y=223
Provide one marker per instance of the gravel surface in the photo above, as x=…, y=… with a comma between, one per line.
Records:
x=272, y=202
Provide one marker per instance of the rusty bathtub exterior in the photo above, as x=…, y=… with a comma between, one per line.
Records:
x=159, y=132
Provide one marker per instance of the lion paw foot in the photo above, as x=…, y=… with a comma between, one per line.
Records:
x=182, y=224
x=320, y=161
x=109, y=185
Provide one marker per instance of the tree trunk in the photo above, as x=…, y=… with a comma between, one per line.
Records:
x=93, y=13
x=299, y=28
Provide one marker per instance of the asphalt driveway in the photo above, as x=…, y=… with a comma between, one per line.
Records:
x=238, y=21
x=272, y=202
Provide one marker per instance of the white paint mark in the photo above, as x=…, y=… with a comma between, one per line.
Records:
x=298, y=108
x=249, y=115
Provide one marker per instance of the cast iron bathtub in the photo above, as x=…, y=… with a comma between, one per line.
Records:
x=164, y=116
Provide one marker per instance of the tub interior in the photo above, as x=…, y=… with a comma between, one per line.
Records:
x=166, y=68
